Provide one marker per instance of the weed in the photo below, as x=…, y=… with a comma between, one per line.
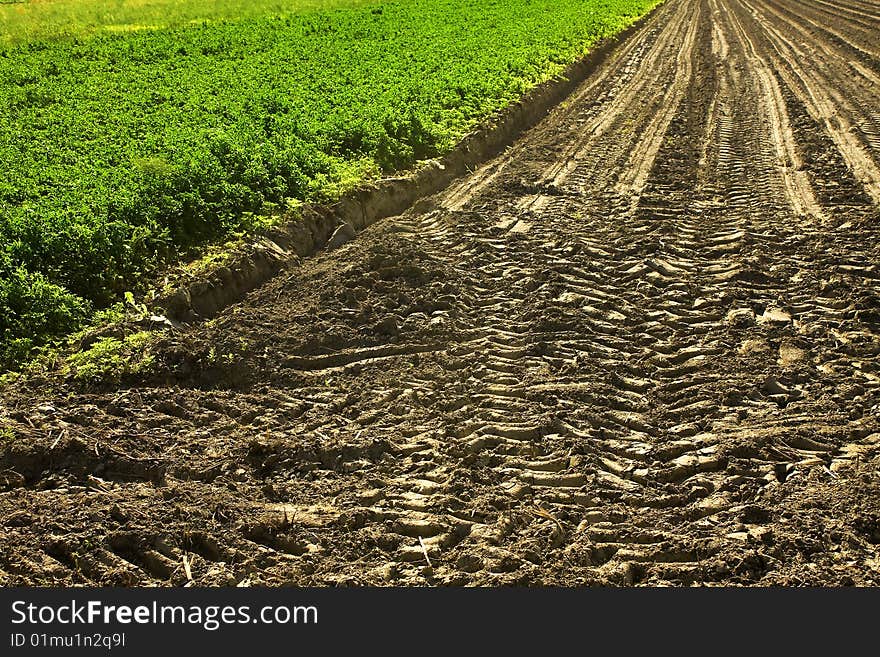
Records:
x=111, y=359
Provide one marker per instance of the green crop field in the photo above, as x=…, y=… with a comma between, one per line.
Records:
x=29, y=20
x=133, y=132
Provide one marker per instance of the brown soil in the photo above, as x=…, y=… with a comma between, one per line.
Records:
x=640, y=347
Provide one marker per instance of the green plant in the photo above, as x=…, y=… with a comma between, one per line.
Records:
x=110, y=359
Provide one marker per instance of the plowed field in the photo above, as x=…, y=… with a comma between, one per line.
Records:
x=642, y=346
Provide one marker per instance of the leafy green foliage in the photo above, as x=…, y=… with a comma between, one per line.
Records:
x=29, y=20
x=122, y=151
x=31, y=307
x=111, y=358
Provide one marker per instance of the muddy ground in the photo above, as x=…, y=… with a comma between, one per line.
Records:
x=640, y=347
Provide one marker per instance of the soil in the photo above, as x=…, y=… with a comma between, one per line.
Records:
x=640, y=347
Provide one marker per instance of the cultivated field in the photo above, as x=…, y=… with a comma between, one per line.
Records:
x=132, y=133
x=641, y=346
